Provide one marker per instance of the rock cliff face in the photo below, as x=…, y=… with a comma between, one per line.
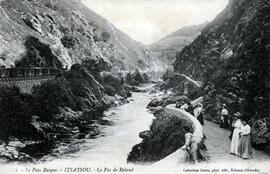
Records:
x=231, y=57
x=71, y=31
x=166, y=48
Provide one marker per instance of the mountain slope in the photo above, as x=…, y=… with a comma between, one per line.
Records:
x=167, y=47
x=73, y=32
x=231, y=57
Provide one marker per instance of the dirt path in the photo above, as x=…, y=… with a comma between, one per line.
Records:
x=218, y=144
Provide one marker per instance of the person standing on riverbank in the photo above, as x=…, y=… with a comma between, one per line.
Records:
x=237, y=124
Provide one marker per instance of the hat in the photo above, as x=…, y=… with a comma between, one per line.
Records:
x=237, y=114
x=224, y=104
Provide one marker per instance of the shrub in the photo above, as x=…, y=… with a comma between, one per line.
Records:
x=96, y=66
x=50, y=96
x=80, y=78
x=68, y=41
x=138, y=77
x=145, y=78
x=38, y=54
x=15, y=113
x=109, y=90
x=113, y=81
x=97, y=37
x=105, y=36
x=130, y=78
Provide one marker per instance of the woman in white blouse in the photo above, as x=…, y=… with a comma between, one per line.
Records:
x=245, y=149
x=237, y=124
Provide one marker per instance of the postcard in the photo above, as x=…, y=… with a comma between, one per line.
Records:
x=134, y=86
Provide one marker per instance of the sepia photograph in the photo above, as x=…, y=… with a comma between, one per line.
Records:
x=134, y=86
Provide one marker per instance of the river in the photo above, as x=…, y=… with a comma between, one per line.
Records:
x=127, y=121
x=117, y=138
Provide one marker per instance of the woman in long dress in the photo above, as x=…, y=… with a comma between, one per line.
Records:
x=224, y=117
x=245, y=148
x=235, y=136
x=198, y=113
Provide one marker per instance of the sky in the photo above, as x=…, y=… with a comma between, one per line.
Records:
x=147, y=21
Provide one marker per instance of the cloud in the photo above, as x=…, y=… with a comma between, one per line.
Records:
x=149, y=20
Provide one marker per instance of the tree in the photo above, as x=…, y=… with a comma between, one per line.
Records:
x=138, y=77
x=15, y=114
x=145, y=77
x=105, y=36
x=38, y=54
x=113, y=81
x=130, y=78
x=50, y=96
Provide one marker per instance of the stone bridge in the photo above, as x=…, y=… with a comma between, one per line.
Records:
x=27, y=78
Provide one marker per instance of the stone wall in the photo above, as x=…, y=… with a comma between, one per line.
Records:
x=179, y=155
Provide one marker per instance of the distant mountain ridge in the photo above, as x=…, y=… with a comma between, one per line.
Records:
x=167, y=47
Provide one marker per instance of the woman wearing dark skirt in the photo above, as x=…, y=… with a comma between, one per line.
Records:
x=200, y=118
x=198, y=113
x=245, y=148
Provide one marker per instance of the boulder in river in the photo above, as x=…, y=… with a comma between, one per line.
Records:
x=167, y=100
x=145, y=134
x=156, y=102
